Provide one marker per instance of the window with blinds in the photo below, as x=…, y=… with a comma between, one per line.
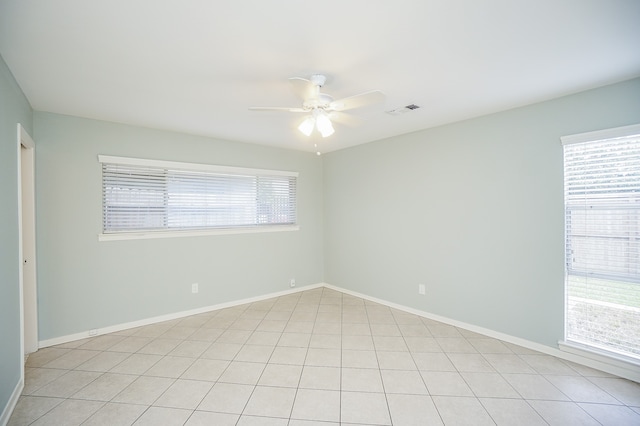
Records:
x=602, y=239
x=147, y=195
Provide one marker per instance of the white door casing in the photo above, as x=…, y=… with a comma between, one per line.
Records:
x=27, y=242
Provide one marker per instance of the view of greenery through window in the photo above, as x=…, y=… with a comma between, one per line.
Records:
x=605, y=312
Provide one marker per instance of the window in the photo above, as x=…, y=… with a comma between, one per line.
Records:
x=146, y=196
x=602, y=240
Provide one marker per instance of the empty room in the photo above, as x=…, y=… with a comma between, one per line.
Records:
x=341, y=213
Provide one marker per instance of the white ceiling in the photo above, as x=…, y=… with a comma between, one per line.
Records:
x=195, y=66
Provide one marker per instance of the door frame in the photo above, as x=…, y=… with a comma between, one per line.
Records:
x=27, y=244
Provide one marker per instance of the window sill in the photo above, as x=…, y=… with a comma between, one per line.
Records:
x=600, y=355
x=195, y=233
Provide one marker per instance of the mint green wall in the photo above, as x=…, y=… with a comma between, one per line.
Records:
x=473, y=210
x=86, y=284
x=14, y=109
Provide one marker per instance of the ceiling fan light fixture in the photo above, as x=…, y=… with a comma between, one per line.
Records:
x=306, y=127
x=324, y=125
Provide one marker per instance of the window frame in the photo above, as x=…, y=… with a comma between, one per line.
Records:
x=592, y=350
x=191, y=167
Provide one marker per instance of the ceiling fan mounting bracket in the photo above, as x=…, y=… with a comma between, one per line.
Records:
x=318, y=80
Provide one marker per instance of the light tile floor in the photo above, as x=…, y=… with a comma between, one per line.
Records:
x=314, y=358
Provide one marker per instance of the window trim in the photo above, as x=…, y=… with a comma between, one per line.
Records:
x=151, y=234
x=617, y=132
x=143, y=162
x=194, y=233
x=596, y=352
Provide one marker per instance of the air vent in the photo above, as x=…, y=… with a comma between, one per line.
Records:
x=402, y=110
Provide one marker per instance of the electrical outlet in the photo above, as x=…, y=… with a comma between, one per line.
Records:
x=292, y=282
x=421, y=289
x=194, y=288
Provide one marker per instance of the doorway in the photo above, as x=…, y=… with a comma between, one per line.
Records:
x=27, y=242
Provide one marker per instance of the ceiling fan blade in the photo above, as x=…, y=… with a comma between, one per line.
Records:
x=304, y=88
x=357, y=101
x=346, y=119
x=282, y=109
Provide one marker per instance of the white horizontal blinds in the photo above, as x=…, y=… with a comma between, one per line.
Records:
x=602, y=247
x=147, y=198
x=205, y=200
x=276, y=202
x=133, y=198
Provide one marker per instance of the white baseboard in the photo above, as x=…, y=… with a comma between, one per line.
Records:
x=13, y=400
x=609, y=365
x=168, y=317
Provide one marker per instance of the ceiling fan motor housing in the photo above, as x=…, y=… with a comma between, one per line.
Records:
x=322, y=101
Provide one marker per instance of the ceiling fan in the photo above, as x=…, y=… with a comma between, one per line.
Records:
x=320, y=107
